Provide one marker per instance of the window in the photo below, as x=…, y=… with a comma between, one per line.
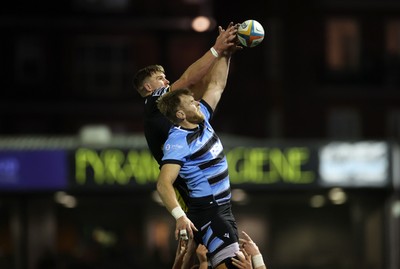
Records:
x=393, y=37
x=392, y=78
x=102, y=66
x=342, y=45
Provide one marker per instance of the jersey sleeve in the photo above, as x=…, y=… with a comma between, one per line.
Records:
x=175, y=150
x=206, y=109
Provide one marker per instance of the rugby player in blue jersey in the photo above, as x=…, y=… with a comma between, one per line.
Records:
x=195, y=153
x=151, y=83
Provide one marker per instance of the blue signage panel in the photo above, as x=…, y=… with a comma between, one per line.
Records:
x=33, y=170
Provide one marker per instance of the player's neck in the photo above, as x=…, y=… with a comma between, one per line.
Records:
x=188, y=125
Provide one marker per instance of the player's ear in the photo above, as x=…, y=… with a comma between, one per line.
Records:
x=180, y=114
x=147, y=86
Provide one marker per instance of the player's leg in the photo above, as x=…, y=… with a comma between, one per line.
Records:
x=218, y=232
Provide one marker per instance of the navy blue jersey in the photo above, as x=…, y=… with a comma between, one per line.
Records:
x=156, y=128
x=156, y=125
x=200, y=154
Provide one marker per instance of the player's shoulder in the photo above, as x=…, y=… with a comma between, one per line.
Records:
x=176, y=140
x=206, y=109
x=151, y=100
x=176, y=133
x=160, y=91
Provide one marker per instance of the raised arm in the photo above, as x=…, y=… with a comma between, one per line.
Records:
x=217, y=83
x=197, y=71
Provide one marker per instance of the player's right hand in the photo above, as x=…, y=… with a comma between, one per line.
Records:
x=226, y=38
x=184, y=223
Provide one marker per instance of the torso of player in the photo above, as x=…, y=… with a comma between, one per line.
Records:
x=203, y=163
x=156, y=126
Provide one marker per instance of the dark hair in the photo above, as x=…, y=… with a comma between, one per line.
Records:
x=145, y=72
x=169, y=103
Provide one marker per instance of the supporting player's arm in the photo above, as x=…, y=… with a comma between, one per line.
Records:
x=201, y=252
x=242, y=260
x=166, y=178
x=251, y=248
x=190, y=257
x=181, y=254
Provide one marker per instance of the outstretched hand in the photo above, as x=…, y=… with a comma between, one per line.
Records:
x=227, y=41
x=237, y=46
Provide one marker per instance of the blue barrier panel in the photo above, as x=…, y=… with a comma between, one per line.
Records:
x=33, y=170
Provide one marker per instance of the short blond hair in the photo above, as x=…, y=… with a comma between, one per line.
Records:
x=169, y=103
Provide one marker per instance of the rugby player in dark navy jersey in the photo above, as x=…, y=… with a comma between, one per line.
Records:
x=195, y=153
x=151, y=83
